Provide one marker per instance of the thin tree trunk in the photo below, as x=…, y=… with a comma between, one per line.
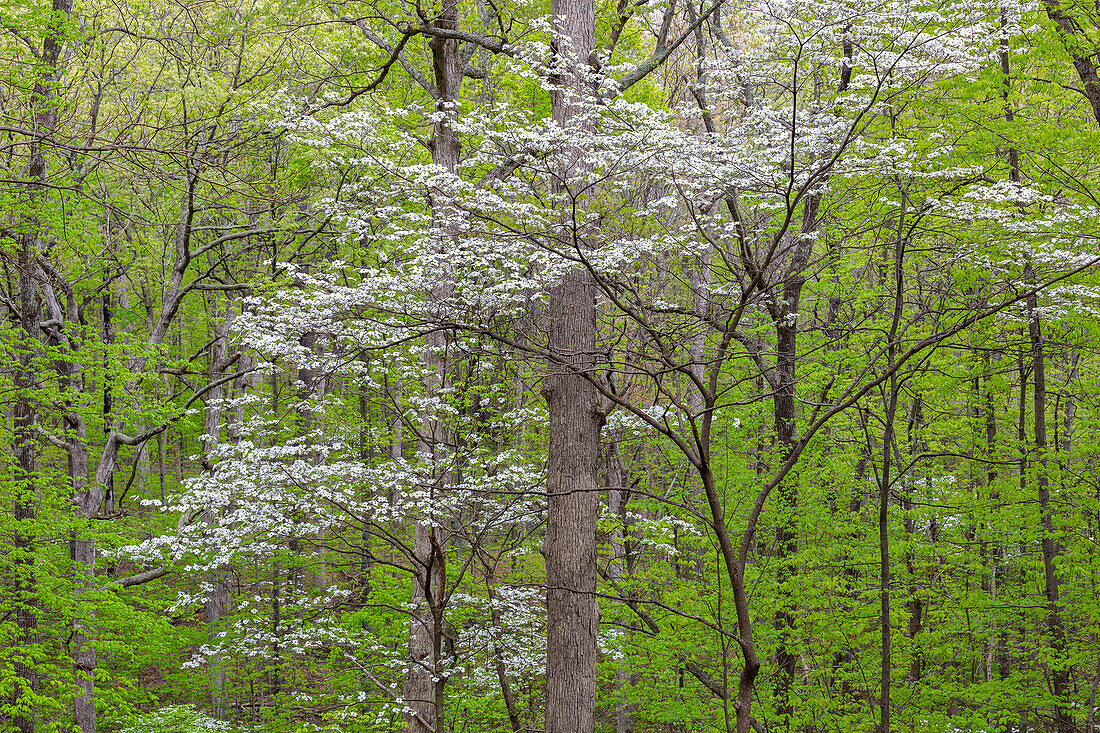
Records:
x=217, y=603
x=885, y=574
x=995, y=657
x=784, y=312
x=1059, y=674
x=274, y=673
x=366, y=455
x=914, y=604
x=108, y=392
x=1090, y=714
x=424, y=678
x=25, y=452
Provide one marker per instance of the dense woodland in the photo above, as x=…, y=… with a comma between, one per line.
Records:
x=592, y=365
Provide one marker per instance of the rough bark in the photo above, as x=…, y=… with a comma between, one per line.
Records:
x=45, y=107
x=572, y=509
x=572, y=459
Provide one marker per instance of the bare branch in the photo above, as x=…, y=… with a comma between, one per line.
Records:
x=662, y=52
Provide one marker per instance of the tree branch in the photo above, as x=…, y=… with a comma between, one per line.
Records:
x=662, y=52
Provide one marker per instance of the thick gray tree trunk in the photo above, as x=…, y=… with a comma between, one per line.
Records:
x=573, y=616
x=572, y=506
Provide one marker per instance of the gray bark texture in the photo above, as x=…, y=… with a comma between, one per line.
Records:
x=573, y=615
x=572, y=506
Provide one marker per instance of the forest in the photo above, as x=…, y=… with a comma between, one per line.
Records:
x=456, y=366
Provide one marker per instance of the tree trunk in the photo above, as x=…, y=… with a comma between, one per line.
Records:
x=784, y=312
x=25, y=452
x=1080, y=50
x=424, y=679
x=217, y=602
x=915, y=603
x=786, y=533
x=1059, y=674
x=44, y=109
x=572, y=508
x=885, y=574
x=573, y=615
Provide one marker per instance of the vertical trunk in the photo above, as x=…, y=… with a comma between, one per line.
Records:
x=218, y=600
x=1090, y=713
x=700, y=286
x=162, y=446
x=108, y=391
x=81, y=548
x=573, y=616
x=397, y=444
x=215, y=608
x=424, y=679
x=44, y=106
x=420, y=691
x=1059, y=674
x=570, y=544
x=366, y=455
x=81, y=646
x=915, y=604
x=786, y=533
x=994, y=657
x=498, y=660
x=1021, y=422
x=284, y=594
x=885, y=575
x=308, y=387
x=785, y=317
x=25, y=452
x=274, y=676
